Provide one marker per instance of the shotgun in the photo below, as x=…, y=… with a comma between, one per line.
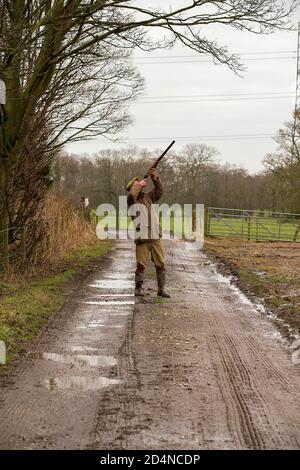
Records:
x=155, y=164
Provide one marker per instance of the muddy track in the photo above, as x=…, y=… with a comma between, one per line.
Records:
x=203, y=370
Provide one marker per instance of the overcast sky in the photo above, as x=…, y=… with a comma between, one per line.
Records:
x=202, y=111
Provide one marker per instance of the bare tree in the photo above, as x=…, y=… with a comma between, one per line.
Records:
x=66, y=66
x=193, y=165
x=284, y=164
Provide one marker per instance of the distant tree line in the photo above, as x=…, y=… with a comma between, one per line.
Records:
x=189, y=176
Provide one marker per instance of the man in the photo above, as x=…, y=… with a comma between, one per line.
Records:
x=149, y=242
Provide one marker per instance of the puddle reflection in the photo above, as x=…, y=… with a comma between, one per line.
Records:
x=113, y=284
x=109, y=302
x=90, y=360
x=81, y=382
x=83, y=348
x=113, y=295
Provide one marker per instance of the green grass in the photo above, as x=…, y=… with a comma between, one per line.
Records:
x=263, y=228
x=159, y=300
x=25, y=305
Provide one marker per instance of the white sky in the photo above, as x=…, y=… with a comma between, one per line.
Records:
x=273, y=76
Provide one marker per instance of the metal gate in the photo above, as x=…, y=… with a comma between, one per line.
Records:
x=252, y=225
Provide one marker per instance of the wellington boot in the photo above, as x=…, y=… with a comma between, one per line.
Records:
x=161, y=281
x=139, y=279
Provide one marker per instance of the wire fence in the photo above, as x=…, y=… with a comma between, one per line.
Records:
x=252, y=225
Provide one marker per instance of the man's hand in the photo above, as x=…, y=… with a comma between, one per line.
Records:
x=137, y=187
x=153, y=173
x=143, y=182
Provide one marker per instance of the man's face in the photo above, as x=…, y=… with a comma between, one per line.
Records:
x=140, y=184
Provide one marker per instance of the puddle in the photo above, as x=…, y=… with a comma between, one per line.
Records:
x=276, y=335
x=90, y=325
x=118, y=276
x=113, y=284
x=260, y=307
x=184, y=260
x=110, y=302
x=86, y=327
x=97, y=325
x=114, y=295
x=94, y=322
x=225, y=280
x=93, y=361
x=125, y=314
x=257, y=307
x=81, y=382
x=125, y=252
x=82, y=349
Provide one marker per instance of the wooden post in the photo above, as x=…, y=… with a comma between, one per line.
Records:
x=206, y=222
x=296, y=233
x=85, y=204
x=249, y=227
x=256, y=237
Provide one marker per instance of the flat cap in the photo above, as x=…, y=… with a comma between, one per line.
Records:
x=128, y=187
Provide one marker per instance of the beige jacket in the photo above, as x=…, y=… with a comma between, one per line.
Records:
x=147, y=199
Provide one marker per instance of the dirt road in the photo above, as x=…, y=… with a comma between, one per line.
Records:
x=203, y=370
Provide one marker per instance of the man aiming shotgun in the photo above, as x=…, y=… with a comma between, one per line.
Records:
x=151, y=242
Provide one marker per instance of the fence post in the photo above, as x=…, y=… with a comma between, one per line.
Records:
x=85, y=204
x=249, y=227
x=256, y=235
x=296, y=233
x=206, y=217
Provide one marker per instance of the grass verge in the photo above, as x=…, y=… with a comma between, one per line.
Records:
x=27, y=303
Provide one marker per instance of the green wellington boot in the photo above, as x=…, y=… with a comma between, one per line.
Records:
x=161, y=282
x=139, y=279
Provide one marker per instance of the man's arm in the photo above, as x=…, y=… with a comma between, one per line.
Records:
x=158, y=189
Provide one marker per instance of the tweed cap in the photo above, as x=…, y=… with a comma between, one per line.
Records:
x=128, y=187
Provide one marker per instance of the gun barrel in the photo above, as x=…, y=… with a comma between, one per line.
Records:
x=160, y=158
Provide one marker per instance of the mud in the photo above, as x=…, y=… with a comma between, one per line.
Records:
x=203, y=370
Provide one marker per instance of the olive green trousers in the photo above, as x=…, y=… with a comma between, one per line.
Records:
x=153, y=248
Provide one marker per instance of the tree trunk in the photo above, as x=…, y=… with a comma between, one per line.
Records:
x=4, y=226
